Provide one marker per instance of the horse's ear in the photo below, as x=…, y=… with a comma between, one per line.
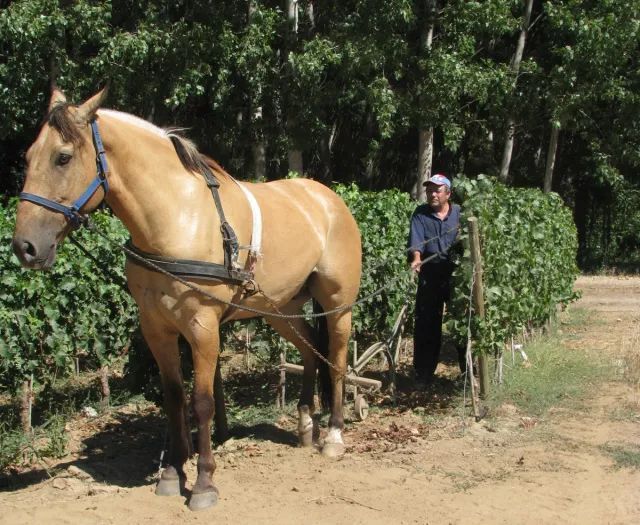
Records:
x=87, y=111
x=57, y=97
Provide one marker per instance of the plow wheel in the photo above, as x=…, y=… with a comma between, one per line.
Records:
x=361, y=407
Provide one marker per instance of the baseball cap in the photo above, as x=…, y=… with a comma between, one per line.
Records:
x=438, y=179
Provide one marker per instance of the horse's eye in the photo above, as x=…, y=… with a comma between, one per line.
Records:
x=63, y=159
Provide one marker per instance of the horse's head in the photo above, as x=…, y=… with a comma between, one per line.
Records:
x=61, y=166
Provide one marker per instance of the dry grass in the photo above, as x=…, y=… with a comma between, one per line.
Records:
x=631, y=357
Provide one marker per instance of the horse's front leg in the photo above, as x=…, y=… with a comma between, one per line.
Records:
x=205, y=349
x=163, y=344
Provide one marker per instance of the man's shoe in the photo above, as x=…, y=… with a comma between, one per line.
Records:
x=423, y=381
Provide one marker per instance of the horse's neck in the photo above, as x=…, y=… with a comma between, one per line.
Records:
x=165, y=207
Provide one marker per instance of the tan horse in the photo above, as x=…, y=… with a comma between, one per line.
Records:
x=310, y=249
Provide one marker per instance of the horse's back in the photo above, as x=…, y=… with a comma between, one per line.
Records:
x=307, y=226
x=292, y=203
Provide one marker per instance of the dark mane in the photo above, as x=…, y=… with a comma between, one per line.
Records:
x=192, y=159
x=61, y=120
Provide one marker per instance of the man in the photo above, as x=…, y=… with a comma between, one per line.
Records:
x=433, y=231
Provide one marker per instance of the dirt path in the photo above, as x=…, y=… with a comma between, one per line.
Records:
x=408, y=467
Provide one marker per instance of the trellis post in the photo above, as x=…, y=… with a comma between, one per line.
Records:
x=478, y=298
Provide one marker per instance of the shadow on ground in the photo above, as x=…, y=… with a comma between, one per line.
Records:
x=125, y=452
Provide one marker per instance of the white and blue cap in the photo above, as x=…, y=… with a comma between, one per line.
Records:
x=438, y=179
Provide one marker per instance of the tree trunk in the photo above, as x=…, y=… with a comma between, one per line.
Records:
x=324, y=146
x=425, y=134
x=581, y=217
x=425, y=160
x=258, y=148
x=311, y=17
x=507, y=152
x=294, y=156
x=294, y=153
x=105, y=391
x=551, y=157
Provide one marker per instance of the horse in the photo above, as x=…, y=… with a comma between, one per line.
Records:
x=160, y=186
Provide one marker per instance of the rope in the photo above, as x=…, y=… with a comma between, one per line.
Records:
x=415, y=248
x=259, y=290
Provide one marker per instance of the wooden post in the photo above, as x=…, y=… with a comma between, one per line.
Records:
x=478, y=299
x=31, y=402
x=280, y=399
x=247, y=346
x=355, y=364
x=25, y=406
x=472, y=381
x=105, y=391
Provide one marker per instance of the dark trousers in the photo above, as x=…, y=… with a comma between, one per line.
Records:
x=434, y=290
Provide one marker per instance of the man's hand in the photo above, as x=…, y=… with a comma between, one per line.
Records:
x=416, y=263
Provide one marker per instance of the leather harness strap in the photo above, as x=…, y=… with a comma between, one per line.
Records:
x=229, y=271
x=188, y=268
x=229, y=238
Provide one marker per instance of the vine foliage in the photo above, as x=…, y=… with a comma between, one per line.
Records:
x=529, y=247
x=71, y=311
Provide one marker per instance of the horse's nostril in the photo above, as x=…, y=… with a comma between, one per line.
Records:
x=29, y=248
x=24, y=249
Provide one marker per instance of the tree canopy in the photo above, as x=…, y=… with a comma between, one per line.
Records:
x=349, y=84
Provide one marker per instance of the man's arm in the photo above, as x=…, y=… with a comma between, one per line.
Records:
x=416, y=242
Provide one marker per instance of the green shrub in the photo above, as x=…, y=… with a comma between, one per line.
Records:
x=383, y=218
x=48, y=318
x=528, y=246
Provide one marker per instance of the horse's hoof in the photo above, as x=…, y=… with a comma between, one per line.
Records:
x=168, y=487
x=203, y=500
x=305, y=439
x=333, y=450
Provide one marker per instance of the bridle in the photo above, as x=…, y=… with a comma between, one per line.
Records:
x=72, y=213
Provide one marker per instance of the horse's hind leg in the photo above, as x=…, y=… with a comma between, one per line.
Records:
x=300, y=334
x=164, y=347
x=332, y=290
x=339, y=330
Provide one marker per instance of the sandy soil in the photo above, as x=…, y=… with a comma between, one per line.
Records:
x=421, y=463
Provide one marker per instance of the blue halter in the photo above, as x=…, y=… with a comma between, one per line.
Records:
x=72, y=213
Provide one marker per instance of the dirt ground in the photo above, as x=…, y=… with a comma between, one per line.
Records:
x=424, y=463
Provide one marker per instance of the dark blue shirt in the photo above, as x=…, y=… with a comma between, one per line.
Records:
x=440, y=234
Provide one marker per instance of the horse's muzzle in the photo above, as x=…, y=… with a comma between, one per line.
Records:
x=31, y=256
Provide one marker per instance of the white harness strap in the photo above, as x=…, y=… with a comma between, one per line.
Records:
x=256, y=231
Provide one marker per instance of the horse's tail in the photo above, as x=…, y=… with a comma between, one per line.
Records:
x=325, y=386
